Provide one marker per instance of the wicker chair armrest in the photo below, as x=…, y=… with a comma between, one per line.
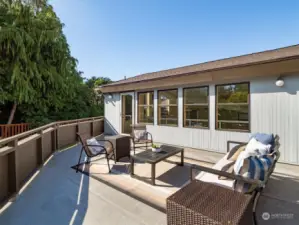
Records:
x=225, y=174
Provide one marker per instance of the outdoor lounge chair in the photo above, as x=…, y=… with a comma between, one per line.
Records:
x=106, y=149
x=201, y=202
x=140, y=136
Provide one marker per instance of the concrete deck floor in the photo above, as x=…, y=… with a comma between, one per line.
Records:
x=58, y=195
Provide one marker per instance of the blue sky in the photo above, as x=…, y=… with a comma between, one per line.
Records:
x=117, y=38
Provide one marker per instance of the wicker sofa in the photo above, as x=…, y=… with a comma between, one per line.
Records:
x=208, y=200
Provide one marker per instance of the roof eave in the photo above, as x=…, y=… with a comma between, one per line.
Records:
x=106, y=87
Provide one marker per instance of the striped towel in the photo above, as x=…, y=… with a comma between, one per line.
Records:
x=253, y=167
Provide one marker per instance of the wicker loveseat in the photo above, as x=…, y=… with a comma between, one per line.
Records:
x=208, y=200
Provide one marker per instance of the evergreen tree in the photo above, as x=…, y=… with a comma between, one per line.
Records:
x=38, y=76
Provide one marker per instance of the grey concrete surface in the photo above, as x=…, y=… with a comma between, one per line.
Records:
x=58, y=196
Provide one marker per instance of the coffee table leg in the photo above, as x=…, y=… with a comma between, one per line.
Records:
x=132, y=166
x=182, y=158
x=153, y=173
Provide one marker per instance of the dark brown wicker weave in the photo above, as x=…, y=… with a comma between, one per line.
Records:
x=204, y=203
x=121, y=145
x=207, y=203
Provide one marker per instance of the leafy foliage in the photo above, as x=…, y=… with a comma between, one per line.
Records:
x=94, y=82
x=37, y=71
x=155, y=146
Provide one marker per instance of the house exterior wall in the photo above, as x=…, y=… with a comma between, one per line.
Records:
x=276, y=110
x=272, y=110
x=112, y=114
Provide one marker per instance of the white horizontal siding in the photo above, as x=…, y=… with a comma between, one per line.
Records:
x=195, y=138
x=112, y=114
x=272, y=110
x=275, y=110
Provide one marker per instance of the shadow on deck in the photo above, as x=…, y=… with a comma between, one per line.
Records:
x=56, y=195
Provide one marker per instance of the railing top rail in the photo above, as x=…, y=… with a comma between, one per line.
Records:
x=24, y=134
x=14, y=124
x=40, y=143
x=38, y=129
x=79, y=120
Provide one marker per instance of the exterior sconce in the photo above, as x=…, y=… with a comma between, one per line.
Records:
x=279, y=82
x=108, y=95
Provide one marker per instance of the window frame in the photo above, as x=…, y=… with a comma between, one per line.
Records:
x=138, y=119
x=183, y=108
x=249, y=108
x=177, y=105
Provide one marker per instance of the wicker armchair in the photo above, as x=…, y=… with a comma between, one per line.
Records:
x=140, y=136
x=208, y=203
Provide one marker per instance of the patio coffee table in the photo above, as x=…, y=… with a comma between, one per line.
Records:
x=154, y=157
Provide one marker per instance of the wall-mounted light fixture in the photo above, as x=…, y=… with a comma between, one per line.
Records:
x=110, y=96
x=279, y=82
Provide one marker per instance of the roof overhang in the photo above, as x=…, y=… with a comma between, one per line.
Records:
x=237, y=73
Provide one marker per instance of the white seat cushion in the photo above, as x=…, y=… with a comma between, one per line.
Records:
x=139, y=135
x=94, y=149
x=212, y=178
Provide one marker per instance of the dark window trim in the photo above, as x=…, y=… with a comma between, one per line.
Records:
x=249, y=108
x=142, y=92
x=158, y=105
x=204, y=128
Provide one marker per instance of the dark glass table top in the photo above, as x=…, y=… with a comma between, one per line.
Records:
x=154, y=157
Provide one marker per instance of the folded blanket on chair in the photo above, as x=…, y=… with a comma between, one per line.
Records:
x=253, y=167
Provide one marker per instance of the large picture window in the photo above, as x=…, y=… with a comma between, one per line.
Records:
x=196, y=107
x=168, y=107
x=232, y=107
x=146, y=107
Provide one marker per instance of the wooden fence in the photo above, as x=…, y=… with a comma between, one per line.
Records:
x=21, y=155
x=8, y=130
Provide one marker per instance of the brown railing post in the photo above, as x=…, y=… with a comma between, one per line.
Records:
x=5, y=131
x=40, y=159
x=8, y=130
x=57, y=136
x=77, y=129
x=13, y=179
x=54, y=138
x=92, y=127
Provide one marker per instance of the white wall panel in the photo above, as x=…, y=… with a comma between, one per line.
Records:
x=272, y=110
x=276, y=110
x=112, y=114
